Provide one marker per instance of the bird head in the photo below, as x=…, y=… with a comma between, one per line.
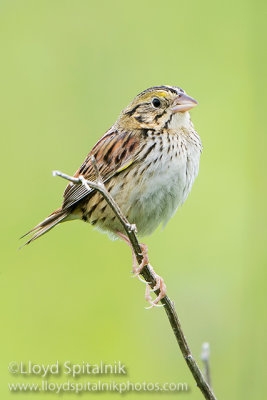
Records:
x=156, y=108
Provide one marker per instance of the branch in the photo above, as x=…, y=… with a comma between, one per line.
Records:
x=147, y=275
x=205, y=355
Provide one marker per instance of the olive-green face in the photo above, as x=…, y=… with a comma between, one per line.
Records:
x=154, y=107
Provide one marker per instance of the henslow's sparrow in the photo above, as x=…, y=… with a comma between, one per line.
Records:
x=148, y=160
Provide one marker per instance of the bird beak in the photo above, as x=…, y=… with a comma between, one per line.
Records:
x=183, y=103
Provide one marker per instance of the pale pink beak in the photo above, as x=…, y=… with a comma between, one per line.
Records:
x=183, y=103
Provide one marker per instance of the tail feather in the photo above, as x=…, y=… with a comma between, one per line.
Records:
x=45, y=226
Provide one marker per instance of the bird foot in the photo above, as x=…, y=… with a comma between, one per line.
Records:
x=137, y=268
x=160, y=285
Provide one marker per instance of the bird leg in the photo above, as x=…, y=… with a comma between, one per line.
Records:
x=136, y=267
x=160, y=285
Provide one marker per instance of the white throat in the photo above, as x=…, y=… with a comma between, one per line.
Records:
x=180, y=119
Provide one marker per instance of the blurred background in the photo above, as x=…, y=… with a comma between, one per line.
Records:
x=67, y=70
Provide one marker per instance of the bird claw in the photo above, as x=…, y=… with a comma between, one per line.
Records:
x=157, y=286
x=145, y=261
x=154, y=305
x=160, y=285
x=140, y=279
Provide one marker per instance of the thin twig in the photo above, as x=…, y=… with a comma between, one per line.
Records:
x=148, y=276
x=205, y=356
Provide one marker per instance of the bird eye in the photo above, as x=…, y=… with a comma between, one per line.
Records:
x=156, y=102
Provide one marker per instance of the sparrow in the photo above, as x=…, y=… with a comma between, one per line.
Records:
x=148, y=161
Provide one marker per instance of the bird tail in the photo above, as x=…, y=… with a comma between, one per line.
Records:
x=52, y=220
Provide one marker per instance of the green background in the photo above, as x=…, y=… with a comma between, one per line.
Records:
x=67, y=70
